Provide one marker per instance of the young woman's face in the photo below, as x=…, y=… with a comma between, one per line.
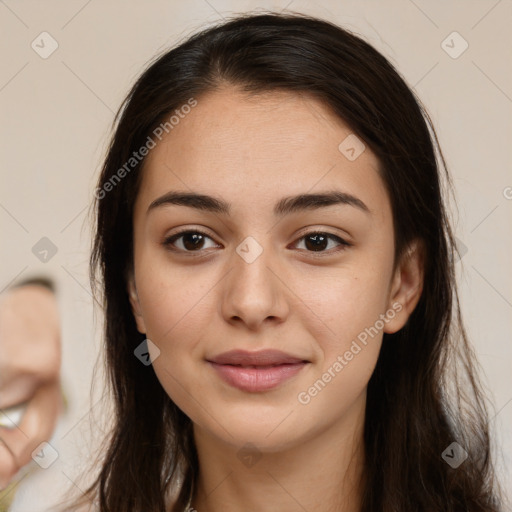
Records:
x=250, y=275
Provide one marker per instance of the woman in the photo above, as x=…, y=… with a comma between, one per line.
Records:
x=272, y=237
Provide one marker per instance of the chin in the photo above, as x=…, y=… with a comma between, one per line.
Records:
x=267, y=432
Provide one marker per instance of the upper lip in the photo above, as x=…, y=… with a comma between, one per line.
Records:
x=260, y=358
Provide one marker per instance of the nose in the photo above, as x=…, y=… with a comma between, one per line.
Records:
x=254, y=292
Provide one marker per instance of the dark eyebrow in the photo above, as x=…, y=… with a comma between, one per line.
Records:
x=283, y=207
x=314, y=201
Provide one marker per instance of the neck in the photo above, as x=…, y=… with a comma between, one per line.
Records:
x=326, y=469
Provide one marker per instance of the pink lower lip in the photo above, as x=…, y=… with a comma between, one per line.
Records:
x=257, y=379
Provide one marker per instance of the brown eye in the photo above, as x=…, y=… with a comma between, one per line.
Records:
x=319, y=241
x=188, y=241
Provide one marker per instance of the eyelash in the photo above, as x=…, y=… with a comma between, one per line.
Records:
x=169, y=241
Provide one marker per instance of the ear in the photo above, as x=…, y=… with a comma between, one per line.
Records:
x=134, y=301
x=406, y=286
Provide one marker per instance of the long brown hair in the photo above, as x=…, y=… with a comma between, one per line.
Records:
x=424, y=394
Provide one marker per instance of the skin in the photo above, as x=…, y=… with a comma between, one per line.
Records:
x=251, y=152
x=30, y=358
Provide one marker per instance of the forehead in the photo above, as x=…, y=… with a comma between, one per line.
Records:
x=256, y=148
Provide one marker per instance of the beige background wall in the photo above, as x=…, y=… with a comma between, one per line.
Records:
x=55, y=118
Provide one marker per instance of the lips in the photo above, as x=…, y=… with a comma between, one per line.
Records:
x=256, y=371
x=261, y=358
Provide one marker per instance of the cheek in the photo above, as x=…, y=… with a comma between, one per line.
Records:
x=352, y=305
x=177, y=312
x=173, y=299
x=345, y=304
x=177, y=307
x=351, y=344
x=349, y=339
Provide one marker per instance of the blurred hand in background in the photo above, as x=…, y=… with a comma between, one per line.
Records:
x=30, y=359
